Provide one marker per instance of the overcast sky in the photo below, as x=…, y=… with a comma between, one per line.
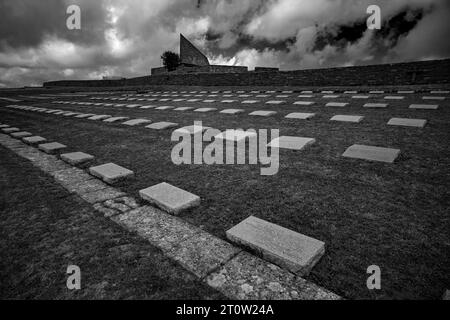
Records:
x=127, y=37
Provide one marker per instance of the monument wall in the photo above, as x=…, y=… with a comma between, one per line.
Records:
x=413, y=73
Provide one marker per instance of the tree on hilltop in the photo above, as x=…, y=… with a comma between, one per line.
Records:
x=171, y=60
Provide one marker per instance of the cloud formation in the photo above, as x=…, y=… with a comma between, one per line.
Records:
x=127, y=37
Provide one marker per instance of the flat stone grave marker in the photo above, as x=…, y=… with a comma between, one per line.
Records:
x=164, y=100
x=162, y=125
x=148, y=107
x=275, y=102
x=114, y=119
x=10, y=130
x=371, y=153
x=170, y=198
x=205, y=109
x=191, y=129
x=287, y=91
x=300, y=116
x=293, y=251
x=228, y=101
x=439, y=92
x=262, y=95
x=327, y=92
x=164, y=108
x=291, y=143
x=34, y=140
x=133, y=105
x=330, y=96
x=70, y=114
x=405, y=91
x=235, y=135
x=306, y=91
x=250, y=101
x=51, y=148
x=178, y=100
x=346, y=118
x=135, y=122
x=424, y=106
x=209, y=101
x=76, y=158
x=375, y=105
x=336, y=104
x=376, y=92
x=394, y=98
x=183, y=108
x=3, y=126
x=360, y=97
x=419, y=123
x=263, y=113
x=193, y=100
x=100, y=117
x=350, y=92
x=433, y=98
x=306, y=96
x=282, y=96
x=304, y=103
x=232, y=111
x=21, y=134
x=244, y=95
x=111, y=172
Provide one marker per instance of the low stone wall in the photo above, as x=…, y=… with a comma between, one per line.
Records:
x=199, y=69
x=413, y=73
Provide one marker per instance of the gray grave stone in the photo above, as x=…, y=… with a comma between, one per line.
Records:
x=85, y=115
x=433, y=98
x=232, y=111
x=375, y=105
x=209, y=101
x=204, y=109
x=275, y=102
x=330, y=96
x=250, y=101
x=299, y=115
x=235, y=135
x=164, y=108
x=228, y=101
x=336, y=104
x=111, y=172
x=394, y=98
x=263, y=113
x=10, y=130
x=162, y=125
x=114, y=119
x=293, y=251
x=4, y=126
x=304, y=103
x=51, y=148
x=192, y=129
x=34, y=140
x=148, y=107
x=100, y=117
x=371, y=153
x=136, y=122
x=360, y=97
x=20, y=134
x=170, y=198
x=420, y=123
x=439, y=92
x=345, y=118
x=291, y=143
x=76, y=158
x=424, y=106
x=183, y=108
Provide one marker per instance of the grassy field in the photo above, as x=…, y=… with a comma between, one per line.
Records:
x=391, y=215
x=44, y=229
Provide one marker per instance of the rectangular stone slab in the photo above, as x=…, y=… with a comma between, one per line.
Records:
x=299, y=115
x=191, y=129
x=345, y=118
x=371, y=153
x=275, y=102
x=375, y=105
x=100, y=117
x=304, y=103
x=205, y=109
x=262, y=113
x=394, y=97
x=288, y=249
x=183, y=108
x=250, y=101
x=433, y=98
x=292, y=143
x=76, y=158
x=114, y=119
x=170, y=198
x=111, y=172
x=162, y=125
x=419, y=123
x=424, y=106
x=21, y=134
x=336, y=104
x=34, y=140
x=232, y=111
x=9, y=130
x=136, y=122
x=164, y=108
x=51, y=148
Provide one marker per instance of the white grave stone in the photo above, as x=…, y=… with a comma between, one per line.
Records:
x=419, y=123
x=301, y=116
x=232, y=111
x=424, y=106
x=262, y=113
x=51, y=148
x=76, y=158
x=136, y=122
x=111, y=172
x=292, y=143
x=371, y=153
x=346, y=118
x=162, y=125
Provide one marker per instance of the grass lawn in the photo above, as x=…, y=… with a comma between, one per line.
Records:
x=44, y=229
x=391, y=215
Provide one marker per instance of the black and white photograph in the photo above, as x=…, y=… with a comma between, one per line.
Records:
x=225, y=156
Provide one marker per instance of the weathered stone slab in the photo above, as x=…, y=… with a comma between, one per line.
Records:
x=360, y=97
x=21, y=134
x=371, y=153
x=76, y=158
x=346, y=118
x=424, y=106
x=52, y=148
x=330, y=96
x=235, y=135
x=232, y=111
x=282, y=96
x=336, y=104
x=275, y=102
x=439, y=92
x=111, y=172
x=170, y=198
x=205, y=109
x=162, y=125
x=101, y=195
x=34, y=140
x=288, y=249
x=250, y=101
x=375, y=105
x=304, y=103
x=192, y=100
x=136, y=122
x=262, y=113
x=191, y=129
x=405, y=91
x=148, y=106
x=133, y=105
x=100, y=117
x=419, y=123
x=209, y=101
x=85, y=115
x=10, y=130
x=164, y=108
x=307, y=96
x=433, y=98
x=292, y=143
x=350, y=92
x=376, y=92
x=327, y=92
x=228, y=101
x=114, y=119
x=3, y=126
x=394, y=98
x=183, y=108
x=300, y=115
